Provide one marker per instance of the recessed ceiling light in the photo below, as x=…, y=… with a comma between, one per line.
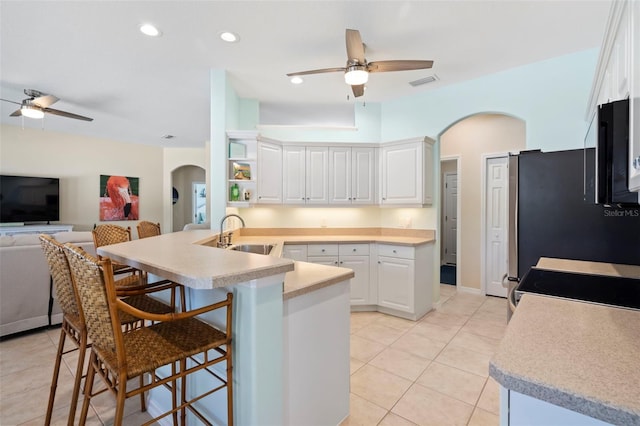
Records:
x=150, y=30
x=229, y=37
x=296, y=80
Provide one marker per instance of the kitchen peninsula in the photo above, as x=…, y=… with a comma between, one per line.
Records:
x=290, y=332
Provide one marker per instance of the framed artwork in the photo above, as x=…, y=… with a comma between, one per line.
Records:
x=119, y=198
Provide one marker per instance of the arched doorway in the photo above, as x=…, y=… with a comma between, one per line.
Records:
x=187, y=193
x=471, y=141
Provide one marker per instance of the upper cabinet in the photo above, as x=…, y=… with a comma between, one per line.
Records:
x=407, y=172
x=270, y=176
x=618, y=75
x=352, y=175
x=305, y=175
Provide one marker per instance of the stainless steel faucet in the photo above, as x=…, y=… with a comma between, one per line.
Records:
x=223, y=241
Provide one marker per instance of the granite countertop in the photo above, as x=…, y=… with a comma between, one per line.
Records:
x=580, y=356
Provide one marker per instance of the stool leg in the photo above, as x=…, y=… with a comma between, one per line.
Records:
x=82, y=351
x=54, y=380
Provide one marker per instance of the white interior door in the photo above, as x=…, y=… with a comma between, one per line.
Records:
x=199, y=210
x=496, y=225
x=450, y=217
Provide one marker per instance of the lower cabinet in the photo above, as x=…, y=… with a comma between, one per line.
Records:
x=394, y=279
x=405, y=287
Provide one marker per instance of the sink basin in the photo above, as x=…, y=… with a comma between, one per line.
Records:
x=253, y=248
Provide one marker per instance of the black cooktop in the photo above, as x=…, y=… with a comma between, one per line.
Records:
x=615, y=291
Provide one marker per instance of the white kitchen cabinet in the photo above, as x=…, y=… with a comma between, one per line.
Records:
x=295, y=252
x=269, y=190
x=352, y=175
x=353, y=256
x=405, y=286
x=407, y=172
x=634, y=105
x=305, y=175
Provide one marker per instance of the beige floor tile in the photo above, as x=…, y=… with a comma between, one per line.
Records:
x=496, y=305
x=486, y=328
x=39, y=356
x=363, y=412
x=440, y=333
x=380, y=333
x=400, y=363
x=458, y=308
x=60, y=416
x=32, y=404
x=394, y=420
x=490, y=397
x=427, y=407
x=441, y=318
x=447, y=290
x=497, y=318
x=417, y=345
x=464, y=359
x=378, y=386
x=481, y=417
x=354, y=365
x=453, y=382
x=364, y=349
x=395, y=322
x=360, y=319
x=475, y=342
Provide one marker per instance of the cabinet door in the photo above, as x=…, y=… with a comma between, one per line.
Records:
x=634, y=105
x=340, y=175
x=324, y=260
x=317, y=175
x=295, y=252
x=363, y=182
x=269, y=173
x=402, y=174
x=360, y=294
x=293, y=171
x=395, y=283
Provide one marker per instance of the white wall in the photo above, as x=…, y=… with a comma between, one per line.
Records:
x=79, y=161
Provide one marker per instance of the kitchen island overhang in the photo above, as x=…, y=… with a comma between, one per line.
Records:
x=262, y=335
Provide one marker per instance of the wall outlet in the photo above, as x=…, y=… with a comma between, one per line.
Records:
x=405, y=222
x=323, y=223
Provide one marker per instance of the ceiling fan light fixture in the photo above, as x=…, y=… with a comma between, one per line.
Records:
x=31, y=111
x=150, y=30
x=296, y=80
x=229, y=37
x=356, y=75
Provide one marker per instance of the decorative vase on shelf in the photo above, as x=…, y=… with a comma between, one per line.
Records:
x=235, y=192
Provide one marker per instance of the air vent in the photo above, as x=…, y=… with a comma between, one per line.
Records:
x=168, y=136
x=425, y=80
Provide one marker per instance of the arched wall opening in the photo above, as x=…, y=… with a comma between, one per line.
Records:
x=469, y=141
x=182, y=180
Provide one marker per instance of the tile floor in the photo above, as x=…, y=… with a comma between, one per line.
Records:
x=430, y=372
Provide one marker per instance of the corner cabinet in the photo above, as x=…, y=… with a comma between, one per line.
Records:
x=407, y=172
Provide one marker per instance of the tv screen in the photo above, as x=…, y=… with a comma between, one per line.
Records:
x=29, y=199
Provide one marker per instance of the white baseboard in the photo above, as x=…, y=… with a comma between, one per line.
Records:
x=470, y=290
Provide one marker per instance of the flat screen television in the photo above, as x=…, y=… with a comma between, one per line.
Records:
x=29, y=199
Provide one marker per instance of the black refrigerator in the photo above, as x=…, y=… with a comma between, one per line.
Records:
x=551, y=214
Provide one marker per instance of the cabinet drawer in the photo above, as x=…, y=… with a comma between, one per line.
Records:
x=324, y=260
x=405, y=252
x=354, y=249
x=322, y=250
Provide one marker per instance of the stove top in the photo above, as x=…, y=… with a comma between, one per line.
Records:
x=606, y=290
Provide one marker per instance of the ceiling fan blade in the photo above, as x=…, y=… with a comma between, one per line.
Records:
x=13, y=102
x=320, y=71
x=355, y=48
x=16, y=113
x=45, y=101
x=384, y=66
x=66, y=114
x=358, y=90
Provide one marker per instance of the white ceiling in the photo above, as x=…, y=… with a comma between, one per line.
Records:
x=91, y=55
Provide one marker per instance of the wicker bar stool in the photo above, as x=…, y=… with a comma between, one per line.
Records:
x=178, y=339
x=73, y=323
x=148, y=229
x=106, y=234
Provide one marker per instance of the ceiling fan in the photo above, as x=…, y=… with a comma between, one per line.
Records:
x=356, y=72
x=38, y=103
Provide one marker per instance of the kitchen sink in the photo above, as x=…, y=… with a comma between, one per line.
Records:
x=253, y=248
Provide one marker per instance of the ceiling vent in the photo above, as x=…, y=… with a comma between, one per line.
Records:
x=425, y=80
x=167, y=136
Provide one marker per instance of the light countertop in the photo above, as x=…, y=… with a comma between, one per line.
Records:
x=580, y=356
